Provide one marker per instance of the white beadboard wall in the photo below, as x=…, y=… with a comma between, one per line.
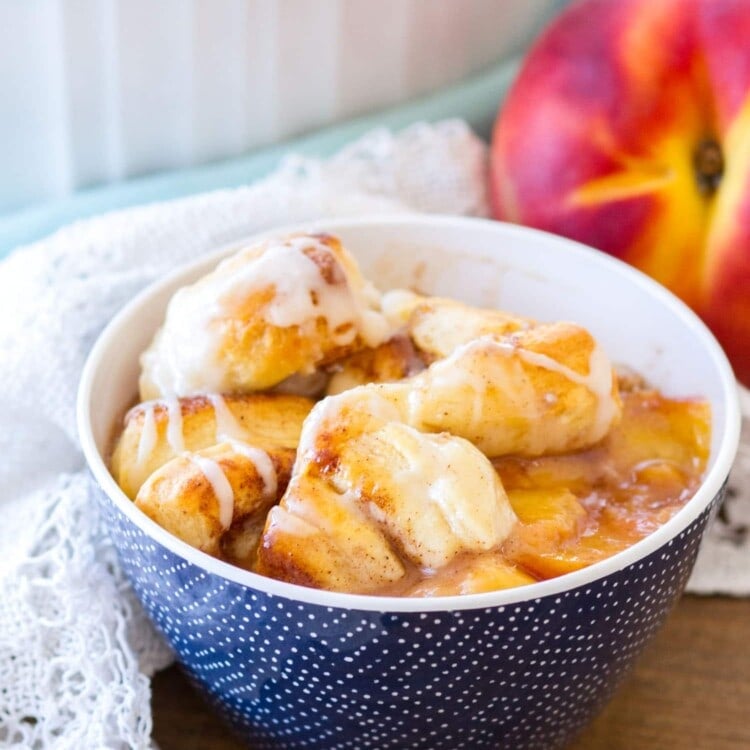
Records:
x=94, y=91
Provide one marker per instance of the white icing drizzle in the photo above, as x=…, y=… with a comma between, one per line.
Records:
x=458, y=385
x=263, y=464
x=545, y=362
x=459, y=481
x=229, y=430
x=453, y=375
x=220, y=485
x=186, y=354
x=369, y=406
x=415, y=401
x=147, y=439
x=174, y=425
x=227, y=425
x=362, y=409
x=598, y=380
x=301, y=293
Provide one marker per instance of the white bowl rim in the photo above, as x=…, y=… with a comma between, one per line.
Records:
x=709, y=488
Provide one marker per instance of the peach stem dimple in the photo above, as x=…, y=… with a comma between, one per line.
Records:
x=708, y=163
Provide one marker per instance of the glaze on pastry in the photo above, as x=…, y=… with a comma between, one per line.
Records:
x=155, y=432
x=281, y=308
x=454, y=450
x=428, y=497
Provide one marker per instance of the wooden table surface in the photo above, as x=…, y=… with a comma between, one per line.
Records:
x=691, y=689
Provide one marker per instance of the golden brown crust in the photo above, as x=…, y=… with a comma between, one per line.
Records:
x=365, y=490
x=319, y=538
x=393, y=360
x=497, y=394
x=252, y=342
x=438, y=326
x=269, y=421
x=180, y=497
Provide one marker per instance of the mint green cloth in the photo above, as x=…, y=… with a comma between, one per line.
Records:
x=475, y=100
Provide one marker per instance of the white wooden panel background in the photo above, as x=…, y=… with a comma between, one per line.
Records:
x=93, y=91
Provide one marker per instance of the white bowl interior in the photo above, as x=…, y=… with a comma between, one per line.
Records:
x=484, y=263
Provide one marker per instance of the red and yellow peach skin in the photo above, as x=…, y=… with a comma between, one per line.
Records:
x=628, y=129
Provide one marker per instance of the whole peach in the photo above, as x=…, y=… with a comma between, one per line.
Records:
x=628, y=129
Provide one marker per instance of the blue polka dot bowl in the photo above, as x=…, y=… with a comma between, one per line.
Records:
x=294, y=667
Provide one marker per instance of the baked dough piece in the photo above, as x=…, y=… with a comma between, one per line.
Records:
x=372, y=497
x=394, y=360
x=438, y=326
x=320, y=537
x=547, y=389
x=217, y=499
x=273, y=310
x=378, y=473
x=157, y=431
x=434, y=496
x=544, y=390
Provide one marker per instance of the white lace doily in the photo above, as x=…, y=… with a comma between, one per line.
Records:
x=723, y=565
x=76, y=651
